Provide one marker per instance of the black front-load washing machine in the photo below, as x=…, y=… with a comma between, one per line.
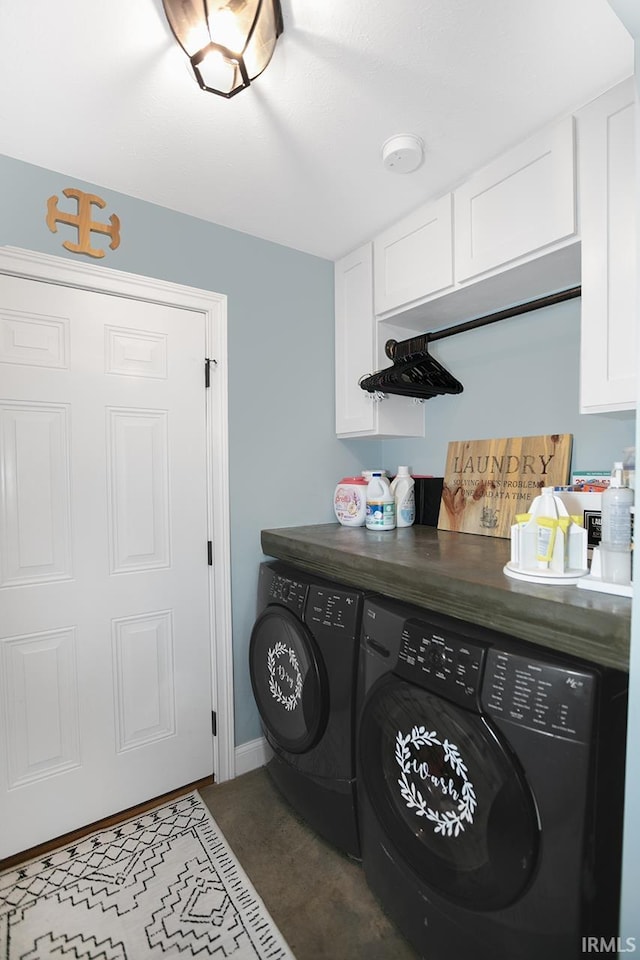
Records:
x=490, y=788
x=303, y=657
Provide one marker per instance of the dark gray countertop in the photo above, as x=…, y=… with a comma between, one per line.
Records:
x=461, y=575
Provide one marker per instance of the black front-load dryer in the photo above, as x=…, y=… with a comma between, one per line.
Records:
x=303, y=658
x=490, y=789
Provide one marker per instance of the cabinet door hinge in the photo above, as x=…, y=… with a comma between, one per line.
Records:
x=207, y=371
x=214, y=723
x=210, y=552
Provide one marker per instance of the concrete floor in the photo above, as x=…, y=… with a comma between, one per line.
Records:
x=318, y=897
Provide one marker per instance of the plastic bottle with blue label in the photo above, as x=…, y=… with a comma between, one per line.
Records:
x=403, y=490
x=381, y=505
x=615, y=543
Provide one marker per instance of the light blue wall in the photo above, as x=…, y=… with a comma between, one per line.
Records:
x=520, y=378
x=284, y=456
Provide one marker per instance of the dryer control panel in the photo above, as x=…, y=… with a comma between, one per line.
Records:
x=442, y=661
x=288, y=592
x=551, y=698
x=325, y=609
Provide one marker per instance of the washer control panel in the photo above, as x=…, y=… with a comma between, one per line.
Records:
x=442, y=661
x=553, y=699
x=288, y=592
x=332, y=609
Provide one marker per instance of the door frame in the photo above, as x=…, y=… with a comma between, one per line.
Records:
x=31, y=265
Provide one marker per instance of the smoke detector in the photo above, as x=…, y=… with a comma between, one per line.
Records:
x=403, y=153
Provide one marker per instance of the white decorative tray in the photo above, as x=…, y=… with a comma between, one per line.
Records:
x=551, y=577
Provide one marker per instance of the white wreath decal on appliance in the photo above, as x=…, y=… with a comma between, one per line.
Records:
x=451, y=823
x=273, y=654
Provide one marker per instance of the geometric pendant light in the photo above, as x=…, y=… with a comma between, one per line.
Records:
x=229, y=42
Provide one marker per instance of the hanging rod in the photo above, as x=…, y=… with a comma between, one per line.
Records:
x=404, y=349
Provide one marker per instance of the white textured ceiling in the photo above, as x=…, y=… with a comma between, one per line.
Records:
x=99, y=90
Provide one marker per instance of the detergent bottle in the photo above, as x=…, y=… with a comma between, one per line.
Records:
x=402, y=488
x=381, y=505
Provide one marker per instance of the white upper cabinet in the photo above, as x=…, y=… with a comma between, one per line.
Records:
x=518, y=205
x=360, y=342
x=414, y=258
x=608, y=185
x=354, y=340
x=507, y=235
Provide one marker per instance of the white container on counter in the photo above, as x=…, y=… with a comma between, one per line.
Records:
x=350, y=501
x=547, y=544
x=615, y=545
x=402, y=488
x=381, y=504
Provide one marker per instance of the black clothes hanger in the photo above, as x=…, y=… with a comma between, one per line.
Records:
x=421, y=377
x=417, y=374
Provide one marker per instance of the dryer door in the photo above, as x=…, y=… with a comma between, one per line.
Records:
x=288, y=680
x=448, y=794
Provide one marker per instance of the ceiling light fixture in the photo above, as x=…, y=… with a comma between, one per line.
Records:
x=229, y=42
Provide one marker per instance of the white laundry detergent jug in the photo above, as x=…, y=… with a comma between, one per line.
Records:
x=381, y=504
x=403, y=490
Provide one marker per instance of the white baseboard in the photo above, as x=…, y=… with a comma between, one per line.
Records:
x=251, y=755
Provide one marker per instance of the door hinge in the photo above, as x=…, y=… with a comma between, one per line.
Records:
x=210, y=552
x=207, y=371
x=214, y=723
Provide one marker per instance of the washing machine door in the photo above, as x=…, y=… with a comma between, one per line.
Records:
x=288, y=680
x=448, y=794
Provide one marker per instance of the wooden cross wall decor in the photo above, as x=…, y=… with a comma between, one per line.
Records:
x=83, y=222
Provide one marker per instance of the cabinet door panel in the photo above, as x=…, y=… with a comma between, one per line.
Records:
x=360, y=343
x=414, y=258
x=517, y=205
x=608, y=184
x=354, y=340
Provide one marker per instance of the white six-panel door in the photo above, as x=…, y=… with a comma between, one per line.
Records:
x=105, y=697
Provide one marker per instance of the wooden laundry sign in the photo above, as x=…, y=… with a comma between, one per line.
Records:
x=488, y=482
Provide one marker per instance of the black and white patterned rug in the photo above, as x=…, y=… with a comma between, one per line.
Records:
x=164, y=884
